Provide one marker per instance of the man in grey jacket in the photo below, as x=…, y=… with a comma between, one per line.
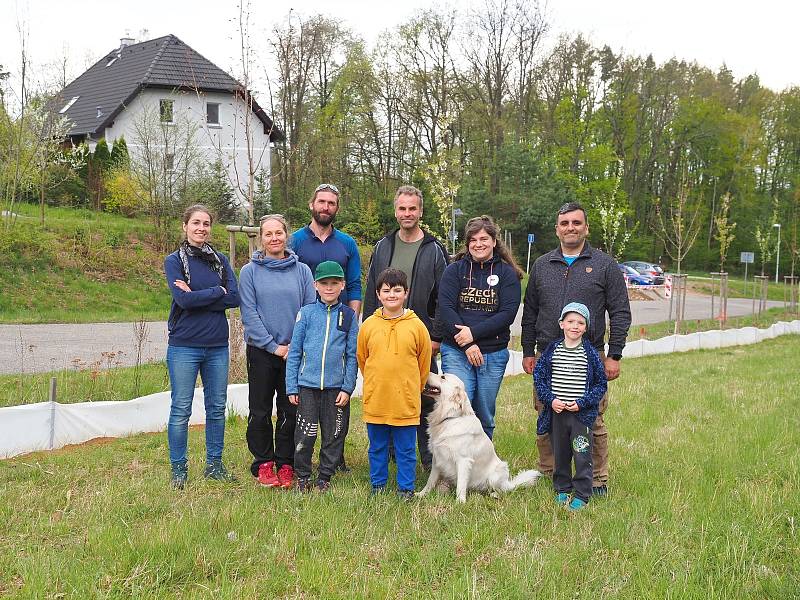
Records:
x=423, y=259
x=576, y=272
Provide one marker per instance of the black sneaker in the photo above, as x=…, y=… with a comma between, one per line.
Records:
x=217, y=472
x=406, y=495
x=343, y=468
x=378, y=490
x=323, y=486
x=303, y=485
x=180, y=475
x=600, y=491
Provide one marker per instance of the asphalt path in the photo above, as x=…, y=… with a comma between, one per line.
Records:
x=42, y=348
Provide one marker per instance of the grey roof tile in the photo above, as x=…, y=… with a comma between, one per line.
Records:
x=164, y=62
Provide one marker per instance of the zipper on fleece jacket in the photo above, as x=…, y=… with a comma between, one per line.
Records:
x=325, y=348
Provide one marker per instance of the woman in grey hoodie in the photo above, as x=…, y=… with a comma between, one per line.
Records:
x=273, y=287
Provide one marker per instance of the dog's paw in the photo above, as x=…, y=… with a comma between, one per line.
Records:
x=494, y=495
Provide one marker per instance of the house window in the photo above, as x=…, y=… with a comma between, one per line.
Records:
x=68, y=104
x=169, y=163
x=165, y=110
x=212, y=113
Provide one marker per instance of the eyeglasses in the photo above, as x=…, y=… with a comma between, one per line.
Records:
x=327, y=186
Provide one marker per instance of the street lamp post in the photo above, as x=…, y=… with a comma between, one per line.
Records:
x=455, y=212
x=778, y=258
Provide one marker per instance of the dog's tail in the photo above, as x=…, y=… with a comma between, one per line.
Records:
x=525, y=478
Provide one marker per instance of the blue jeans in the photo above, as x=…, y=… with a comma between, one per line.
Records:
x=404, y=438
x=481, y=383
x=183, y=364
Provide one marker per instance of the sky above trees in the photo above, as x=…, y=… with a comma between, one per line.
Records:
x=746, y=37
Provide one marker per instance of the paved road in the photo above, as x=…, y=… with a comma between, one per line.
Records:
x=645, y=312
x=39, y=348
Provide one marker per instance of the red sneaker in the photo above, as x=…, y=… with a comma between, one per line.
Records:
x=286, y=476
x=266, y=475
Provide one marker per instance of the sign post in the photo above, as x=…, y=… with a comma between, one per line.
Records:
x=530, y=242
x=746, y=258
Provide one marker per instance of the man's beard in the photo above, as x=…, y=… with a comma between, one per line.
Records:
x=323, y=219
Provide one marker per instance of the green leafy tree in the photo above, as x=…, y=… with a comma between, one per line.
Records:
x=725, y=230
x=764, y=240
x=99, y=165
x=120, y=159
x=210, y=186
x=611, y=209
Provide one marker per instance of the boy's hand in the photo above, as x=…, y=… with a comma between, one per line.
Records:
x=571, y=406
x=282, y=351
x=342, y=399
x=294, y=399
x=557, y=405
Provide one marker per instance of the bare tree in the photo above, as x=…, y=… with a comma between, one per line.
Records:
x=679, y=228
x=498, y=32
x=163, y=158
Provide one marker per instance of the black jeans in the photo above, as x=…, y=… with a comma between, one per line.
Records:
x=319, y=406
x=571, y=440
x=266, y=376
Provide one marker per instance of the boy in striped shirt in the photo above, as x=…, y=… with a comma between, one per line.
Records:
x=570, y=381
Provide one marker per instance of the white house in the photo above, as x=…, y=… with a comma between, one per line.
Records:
x=167, y=86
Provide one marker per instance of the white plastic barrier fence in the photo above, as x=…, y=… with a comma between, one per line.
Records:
x=50, y=425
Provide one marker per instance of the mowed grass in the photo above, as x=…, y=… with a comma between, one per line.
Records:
x=703, y=504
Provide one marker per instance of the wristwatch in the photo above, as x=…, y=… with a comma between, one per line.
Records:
x=615, y=356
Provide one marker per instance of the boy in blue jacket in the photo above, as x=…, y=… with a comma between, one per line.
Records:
x=570, y=380
x=321, y=371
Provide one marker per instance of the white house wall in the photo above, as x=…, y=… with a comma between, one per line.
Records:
x=225, y=142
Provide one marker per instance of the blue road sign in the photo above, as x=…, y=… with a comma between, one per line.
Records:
x=530, y=238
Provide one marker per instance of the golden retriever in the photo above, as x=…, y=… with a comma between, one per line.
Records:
x=462, y=452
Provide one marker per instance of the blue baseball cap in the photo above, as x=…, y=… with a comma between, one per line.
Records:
x=575, y=307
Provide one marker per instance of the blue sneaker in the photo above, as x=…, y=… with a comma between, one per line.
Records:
x=576, y=504
x=562, y=498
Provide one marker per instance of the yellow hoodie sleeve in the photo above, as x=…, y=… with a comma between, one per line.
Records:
x=423, y=354
x=362, y=347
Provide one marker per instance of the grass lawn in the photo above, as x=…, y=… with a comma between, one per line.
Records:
x=654, y=331
x=84, y=266
x=737, y=287
x=704, y=503
x=84, y=385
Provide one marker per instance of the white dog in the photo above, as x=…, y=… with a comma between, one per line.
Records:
x=462, y=452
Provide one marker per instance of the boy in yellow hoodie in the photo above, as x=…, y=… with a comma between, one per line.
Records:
x=394, y=355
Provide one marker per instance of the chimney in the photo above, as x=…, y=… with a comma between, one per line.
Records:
x=125, y=42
